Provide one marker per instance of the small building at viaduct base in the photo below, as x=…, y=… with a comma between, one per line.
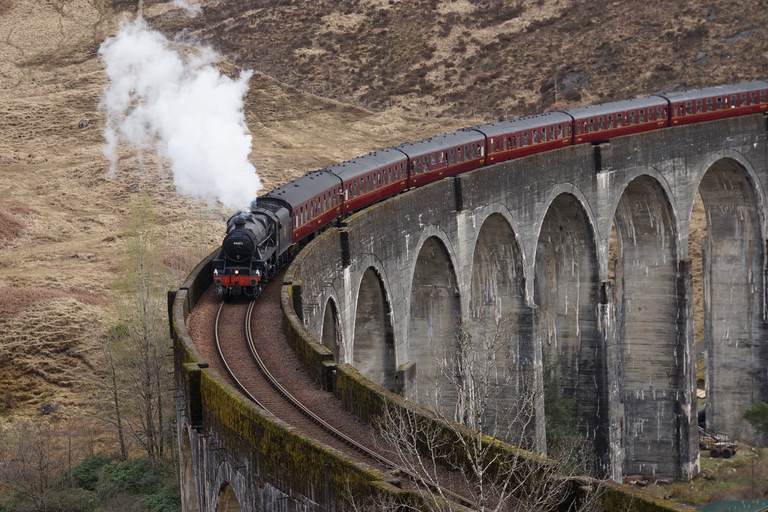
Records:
x=575, y=262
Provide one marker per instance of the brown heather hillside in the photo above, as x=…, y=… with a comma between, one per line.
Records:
x=334, y=79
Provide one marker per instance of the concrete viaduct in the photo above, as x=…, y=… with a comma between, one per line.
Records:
x=578, y=257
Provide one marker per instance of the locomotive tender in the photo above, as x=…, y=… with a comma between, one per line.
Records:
x=260, y=240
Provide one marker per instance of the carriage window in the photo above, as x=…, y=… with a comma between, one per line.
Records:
x=688, y=107
x=660, y=113
x=591, y=125
x=650, y=114
x=559, y=131
x=525, y=138
x=743, y=98
x=466, y=152
x=642, y=115
x=600, y=123
x=450, y=156
x=632, y=117
x=618, y=120
x=506, y=144
x=709, y=104
x=432, y=159
x=734, y=100
x=752, y=98
x=551, y=132
x=610, y=122
x=459, y=155
x=762, y=96
x=493, y=143
x=699, y=107
x=425, y=161
x=534, y=137
x=473, y=151
x=719, y=103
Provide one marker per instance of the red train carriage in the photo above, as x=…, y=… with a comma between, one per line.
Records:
x=600, y=122
x=717, y=102
x=315, y=200
x=527, y=135
x=372, y=177
x=437, y=157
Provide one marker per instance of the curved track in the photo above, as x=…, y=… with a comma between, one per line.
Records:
x=240, y=351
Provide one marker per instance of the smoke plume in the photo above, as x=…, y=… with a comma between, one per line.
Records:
x=168, y=96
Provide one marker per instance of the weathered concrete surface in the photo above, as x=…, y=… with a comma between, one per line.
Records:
x=523, y=246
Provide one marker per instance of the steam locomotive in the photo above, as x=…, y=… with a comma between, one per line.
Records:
x=258, y=241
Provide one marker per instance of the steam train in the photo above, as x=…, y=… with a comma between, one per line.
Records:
x=258, y=241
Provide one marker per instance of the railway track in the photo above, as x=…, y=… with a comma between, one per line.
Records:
x=241, y=356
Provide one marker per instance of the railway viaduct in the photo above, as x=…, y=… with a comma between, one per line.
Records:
x=576, y=260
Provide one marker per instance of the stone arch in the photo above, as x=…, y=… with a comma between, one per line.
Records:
x=499, y=322
x=567, y=296
x=226, y=500
x=433, y=325
x=332, y=336
x=650, y=329
x=373, y=353
x=733, y=297
x=189, y=492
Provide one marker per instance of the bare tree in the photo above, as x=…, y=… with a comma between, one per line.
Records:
x=30, y=461
x=494, y=414
x=143, y=364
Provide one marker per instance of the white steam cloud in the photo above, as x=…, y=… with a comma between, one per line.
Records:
x=181, y=106
x=191, y=10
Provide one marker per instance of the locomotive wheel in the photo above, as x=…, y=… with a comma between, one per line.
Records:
x=714, y=453
x=726, y=453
